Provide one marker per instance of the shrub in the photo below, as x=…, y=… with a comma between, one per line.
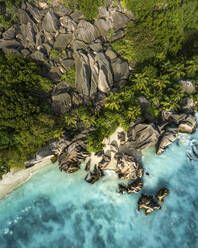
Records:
x=69, y=76
x=55, y=54
x=88, y=7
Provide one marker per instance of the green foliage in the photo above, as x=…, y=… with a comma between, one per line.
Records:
x=110, y=34
x=7, y=12
x=120, y=109
x=161, y=46
x=25, y=121
x=69, y=76
x=88, y=7
x=160, y=28
x=55, y=54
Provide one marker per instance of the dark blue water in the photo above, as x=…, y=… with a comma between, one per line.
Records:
x=55, y=210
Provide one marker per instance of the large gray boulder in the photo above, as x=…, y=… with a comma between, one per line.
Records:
x=167, y=138
x=68, y=23
x=103, y=26
x=61, y=99
x=50, y=22
x=63, y=40
x=61, y=11
x=120, y=20
x=34, y=12
x=24, y=18
x=94, y=74
x=9, y=44
x=72, y=156
x=105, y=77
x=120, y=69
x=57, y=145
x=86, y=32
x=83, y=73
x=10, y=33
x=161, y=194
x=28, y=35
x=142, y=136
x=94, y=175
x=188, y=125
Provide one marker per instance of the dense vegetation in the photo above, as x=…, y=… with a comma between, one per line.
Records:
x=26, y=122
x=88, y=7
x=161, y=47
x=7, y=12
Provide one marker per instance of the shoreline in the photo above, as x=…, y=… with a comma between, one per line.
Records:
x=13, y=180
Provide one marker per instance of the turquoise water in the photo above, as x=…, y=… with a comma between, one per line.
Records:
x=56, y=210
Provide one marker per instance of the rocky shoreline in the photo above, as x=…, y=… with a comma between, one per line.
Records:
x=122, y=154
x=44, y=28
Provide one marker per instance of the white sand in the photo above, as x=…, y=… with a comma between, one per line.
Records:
x=14, y=180
x=107, y=142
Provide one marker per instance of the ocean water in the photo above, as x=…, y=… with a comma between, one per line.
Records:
x=56, y=210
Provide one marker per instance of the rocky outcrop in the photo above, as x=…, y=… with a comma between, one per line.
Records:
x=142, y=136
x=50, y=22
x=133, y=187
x=187, y=86
x=44, y=27
x=128, y=167
x=72, y=156
x=61, y=99
x=147, y=203
x=162, y=193
x=167, y=138
x=186, y=122
x=62, y=41
x=104, y=162
x=188, y=125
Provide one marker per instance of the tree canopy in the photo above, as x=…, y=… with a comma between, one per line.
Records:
x=26, y=122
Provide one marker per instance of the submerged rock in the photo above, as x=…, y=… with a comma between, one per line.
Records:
x=162, y=193
x=94, y=175
x=133, y=187
x=148, y=203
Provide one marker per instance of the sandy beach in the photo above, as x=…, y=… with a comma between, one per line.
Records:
x=14, y=180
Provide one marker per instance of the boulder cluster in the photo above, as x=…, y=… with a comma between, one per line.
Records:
x=122, y=154
x=58, y=38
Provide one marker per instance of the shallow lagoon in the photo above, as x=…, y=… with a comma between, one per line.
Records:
x=55, y=210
